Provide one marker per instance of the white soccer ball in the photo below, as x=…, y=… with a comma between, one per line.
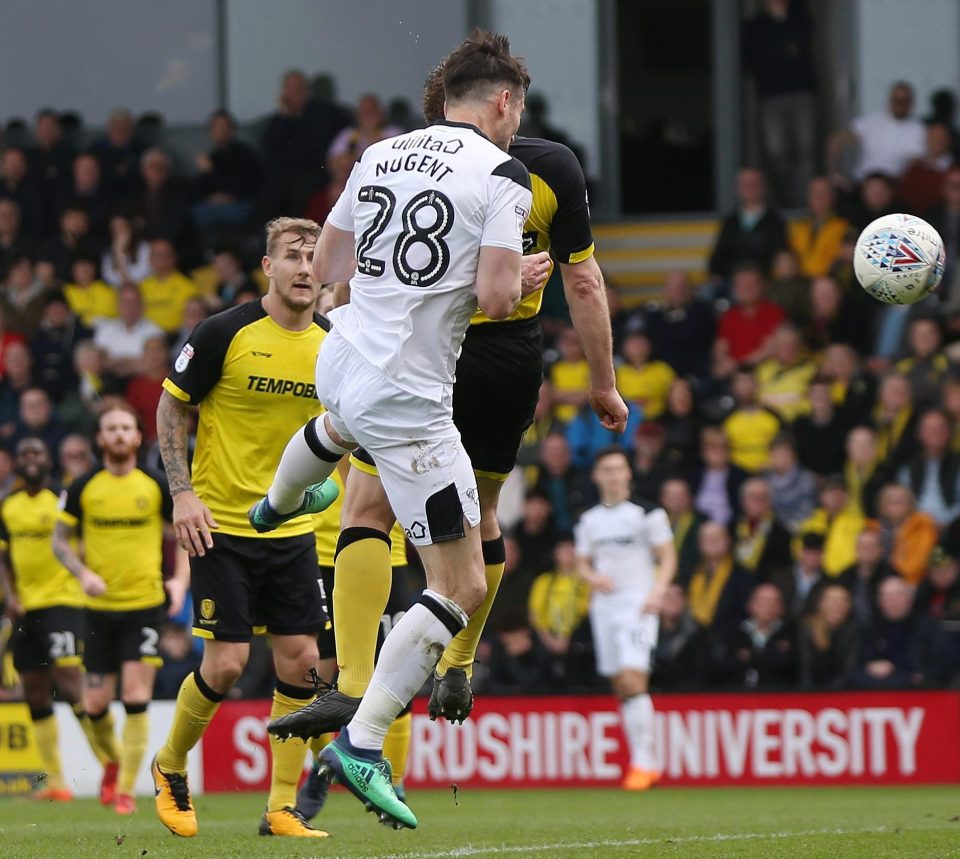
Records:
x=899, y=259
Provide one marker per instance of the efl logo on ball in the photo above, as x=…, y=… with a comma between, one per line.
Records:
x=899, y=259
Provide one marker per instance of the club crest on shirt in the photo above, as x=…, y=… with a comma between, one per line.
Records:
x=183, y=359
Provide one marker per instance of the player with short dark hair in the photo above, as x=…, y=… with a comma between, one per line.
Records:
x=432, y=224
x=250, y=370
x=45, y=604
x=117, y=510
x=499, y=372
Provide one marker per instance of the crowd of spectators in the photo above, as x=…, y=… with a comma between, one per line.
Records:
x=803, y=439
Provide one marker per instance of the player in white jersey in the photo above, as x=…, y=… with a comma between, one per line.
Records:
x=627, y=555
x=432, y=224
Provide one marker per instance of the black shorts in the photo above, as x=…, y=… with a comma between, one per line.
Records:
x=398, y=602
x=247, y=585
x=499, y=373
x=49, y=638
x=114, y=637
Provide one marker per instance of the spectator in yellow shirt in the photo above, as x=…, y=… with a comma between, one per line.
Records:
x=642, y=381
x=569, y=377
x=750, y=429
x=559, y=600
x=88, y=296
x=839, y=524
x=167, y=290
x=816, y=238
x=785, y=375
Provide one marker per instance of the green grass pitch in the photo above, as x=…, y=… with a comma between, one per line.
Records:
x=548, y=824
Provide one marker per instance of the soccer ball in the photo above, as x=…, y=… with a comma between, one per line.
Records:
x=899, y=259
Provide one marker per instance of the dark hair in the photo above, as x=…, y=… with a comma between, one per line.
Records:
x=482, y=60
x=611, y=450
x=434, y=96
x=222, y=114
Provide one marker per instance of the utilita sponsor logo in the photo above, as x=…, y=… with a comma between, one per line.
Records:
x=773, y=743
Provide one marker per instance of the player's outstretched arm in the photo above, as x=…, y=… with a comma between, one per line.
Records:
x=192, y=520
x=92, y=584
x=334, y=258
x=587, y=300
x=498, y=281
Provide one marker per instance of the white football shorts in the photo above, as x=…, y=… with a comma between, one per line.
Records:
x=623, y=636
x=421, y=461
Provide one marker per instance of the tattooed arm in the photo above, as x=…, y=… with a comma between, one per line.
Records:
x=192, y=520
x=91, y=583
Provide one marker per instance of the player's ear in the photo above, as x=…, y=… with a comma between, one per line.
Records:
x=266, y=263
x=503, y=101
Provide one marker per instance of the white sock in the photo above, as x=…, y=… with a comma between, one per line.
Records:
x=409, y=654
x=309, y=457
x=637, y=714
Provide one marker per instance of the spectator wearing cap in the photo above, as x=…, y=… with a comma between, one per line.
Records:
x=909, y=535
x=52, y=346
x=816, y=237
x=681, y=328
x=863, y=472
x=792, y=487
x=652, y=463
x=938, y=598
x=750, y=428
x=901, y=649
x=822, y=432
x=837, y=524
x=716, y=483
x=685, y=522
x=681, y=422
x=829, y=642
x=762, y=651
x=719, y=587
x=745, y=331
x=682, y=658
x=88, y=296
x=863, y=577
x=167, y=289
x=926, y=365
x=934, y=472
x=752, y=233
x=783, y=378
x=802, y=583
x=761, y=544
x=23, y=297
x=122, y=340
x=642, y=380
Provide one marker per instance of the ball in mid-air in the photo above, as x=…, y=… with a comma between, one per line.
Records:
x=899, y=259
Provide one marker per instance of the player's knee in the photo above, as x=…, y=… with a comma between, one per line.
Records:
x=222, y=671
x=471, y=594
x=296, y=664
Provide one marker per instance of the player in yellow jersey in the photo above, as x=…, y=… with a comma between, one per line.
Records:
x=251, y=371
x=118, y=511
x=45, y=604
x=498, y=379
x=330, y=542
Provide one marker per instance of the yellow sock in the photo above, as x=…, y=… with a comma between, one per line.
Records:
x=362, y=581
x=105, y=736
x=48, y=744
x=136, y=732
x=87, y=727
x=318, y=744
x=461, y=652
x=196, y=705
x=396, y=745
x=288, y=755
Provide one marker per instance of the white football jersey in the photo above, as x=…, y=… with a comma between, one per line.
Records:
x=618, y=542
x=421, y=206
